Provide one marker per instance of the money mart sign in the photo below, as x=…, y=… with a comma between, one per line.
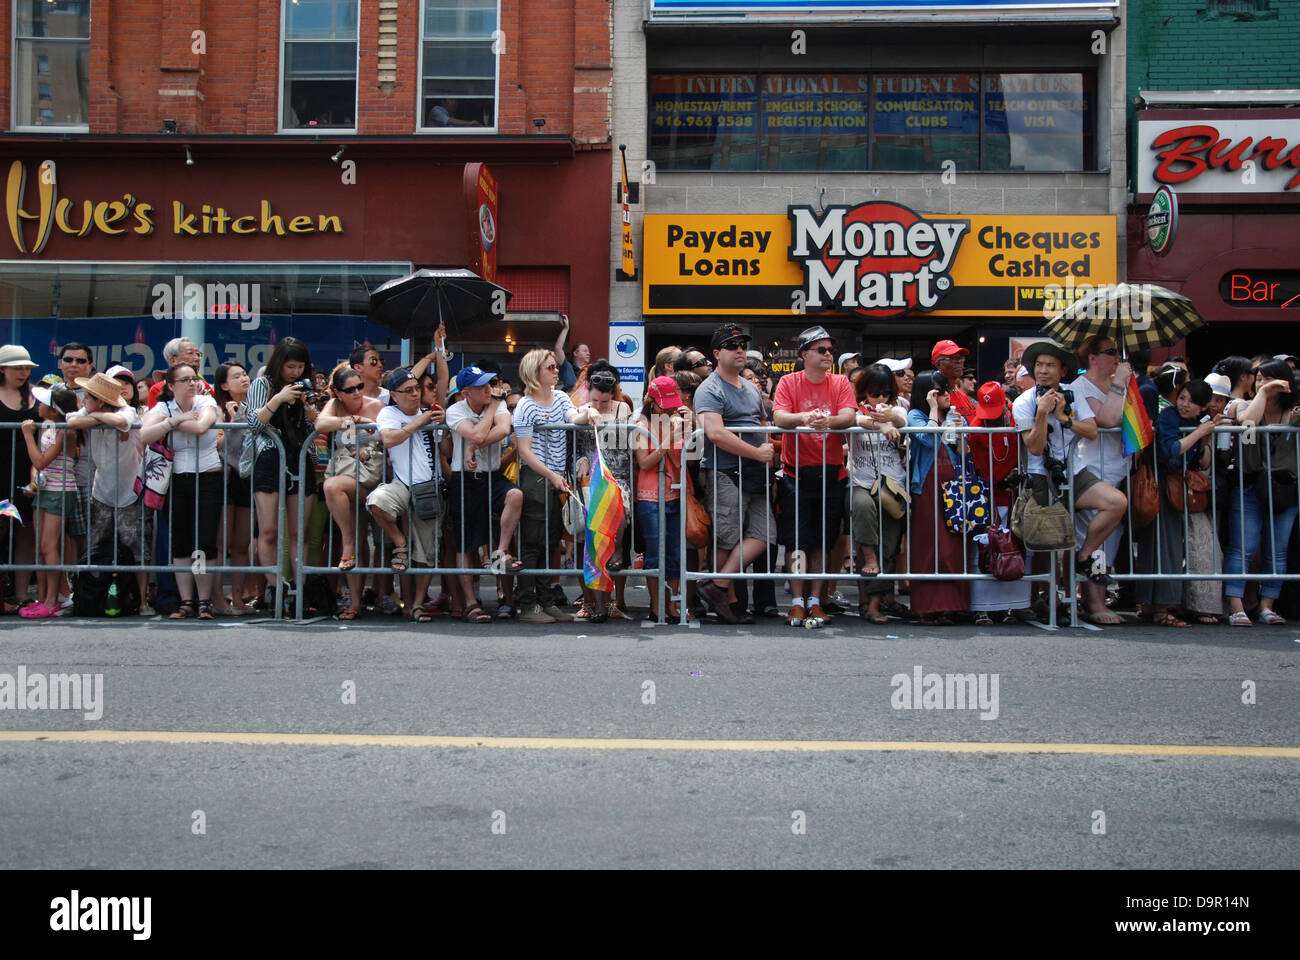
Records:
x=878, y=261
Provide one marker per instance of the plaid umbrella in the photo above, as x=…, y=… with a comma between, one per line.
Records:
x=1136, y=317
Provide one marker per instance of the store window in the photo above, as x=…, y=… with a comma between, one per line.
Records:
x=459, y=44
x=882, y=121
x=320, y=65
x=52, y=63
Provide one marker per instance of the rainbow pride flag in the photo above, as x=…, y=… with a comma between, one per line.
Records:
x=604, y=521
x=1136, y=424
x=7, y=509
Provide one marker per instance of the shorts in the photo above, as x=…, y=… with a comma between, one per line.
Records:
x=819, y=499
x=422, y=535
x=56, y=502
x=266, y=476
x=1084, y=481
x=475, y=503
x=239, y=490
x=735, y=516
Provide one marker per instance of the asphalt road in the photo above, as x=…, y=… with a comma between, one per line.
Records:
x=899, y=793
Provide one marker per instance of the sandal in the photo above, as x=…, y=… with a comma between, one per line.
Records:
x=1240, y=619
x=184, y=610
x=895, y=609
x=505, y=612
x=1104, y=618
x=11, y=607
x=1011, y=617
x=348, y=563
x=350, y=613
x=420, y=615
x=935, y=620
x=1168, y=620
x=982, y=619
x=475, y=614
x=205, y=610
x=401, y=556
x=1208, y=620
x=614, y=613
x=1270, y=618
x=865, y=613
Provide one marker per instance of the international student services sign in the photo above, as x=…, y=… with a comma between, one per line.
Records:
x=706, y=7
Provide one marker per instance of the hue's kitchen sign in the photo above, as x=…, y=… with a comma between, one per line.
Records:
x=876, y=260
x=1219, y=151
x=131, y=215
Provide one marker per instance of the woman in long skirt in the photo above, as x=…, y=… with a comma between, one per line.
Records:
x=932, y=466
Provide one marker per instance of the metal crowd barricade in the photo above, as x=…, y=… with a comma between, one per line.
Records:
x=198, y=562
x=828, y=537
x=453, y=540
x=1221, y=496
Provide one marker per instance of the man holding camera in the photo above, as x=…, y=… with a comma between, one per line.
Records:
x=1046, y=419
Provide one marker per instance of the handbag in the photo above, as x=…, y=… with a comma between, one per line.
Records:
x=1004, y=557
x=697, y=518
x=1041, y=528
x=429, y=499
x=1188, y=488
x=965, y=501
x=155, y=477
x=1144, y=495
x=894, y=497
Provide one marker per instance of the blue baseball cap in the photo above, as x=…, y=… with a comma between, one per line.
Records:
x=396, y=379
x=473, y=377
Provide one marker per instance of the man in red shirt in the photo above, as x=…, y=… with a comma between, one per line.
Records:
x=950, y=360
x=812, y=487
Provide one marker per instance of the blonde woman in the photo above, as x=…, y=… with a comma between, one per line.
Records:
x=544, y=461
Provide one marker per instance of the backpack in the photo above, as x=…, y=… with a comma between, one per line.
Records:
x=90, y=588
x=318, y=597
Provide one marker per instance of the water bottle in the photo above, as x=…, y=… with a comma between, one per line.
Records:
x=950, y=423
x=112, y=602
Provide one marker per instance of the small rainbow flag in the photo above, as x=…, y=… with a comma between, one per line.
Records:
x=604, y=521
x=1137, y=425
x=7, y=509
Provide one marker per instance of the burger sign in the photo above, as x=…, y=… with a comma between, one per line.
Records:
x=878, y=260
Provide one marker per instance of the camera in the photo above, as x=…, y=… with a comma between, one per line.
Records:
x=1063, y=391
x=308, y=390
x=1055, y=470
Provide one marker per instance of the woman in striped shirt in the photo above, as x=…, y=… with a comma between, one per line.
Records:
x=544, y=460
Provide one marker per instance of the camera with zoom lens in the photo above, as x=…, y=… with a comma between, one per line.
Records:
x=1063, y=391
x=1055, y=470
x=308, y=390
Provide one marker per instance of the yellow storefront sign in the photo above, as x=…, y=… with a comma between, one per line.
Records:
x=1006, y=266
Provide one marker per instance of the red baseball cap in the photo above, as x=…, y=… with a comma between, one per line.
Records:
x=992, y=401
x=946, y=348
x=663, y=391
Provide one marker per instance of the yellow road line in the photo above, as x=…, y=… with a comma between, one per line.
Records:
x=571, y=743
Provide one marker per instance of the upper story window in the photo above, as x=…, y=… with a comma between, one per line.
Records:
x=872, y=121
x=51, y=73
x=319, y=65
x=458, y=64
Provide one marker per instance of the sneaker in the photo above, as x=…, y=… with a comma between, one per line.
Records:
x=558, y=597
x=535, y=614
x=147, y=611
x=742, y=613
x=556, y=614
x=66, y=603
x=715, y=599
x=389, y=606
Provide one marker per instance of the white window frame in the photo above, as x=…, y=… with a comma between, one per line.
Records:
x=356, y=83
x=14, y=79
x=420, y=128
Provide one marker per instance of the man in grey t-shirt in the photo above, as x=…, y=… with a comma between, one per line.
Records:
x=736, y=470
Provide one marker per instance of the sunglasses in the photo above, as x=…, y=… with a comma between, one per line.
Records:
x=356, y=389
x=703, y=362
x=603, y=383
x=73, y=360
x=737, y=345
x=824, y=350
x=551, y=366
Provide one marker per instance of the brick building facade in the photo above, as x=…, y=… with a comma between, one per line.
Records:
x=232, y=102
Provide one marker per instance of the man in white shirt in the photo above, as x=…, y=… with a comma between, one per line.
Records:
x=479, y=493
x=1046, y=419
x=116, y=514
x=412, y=458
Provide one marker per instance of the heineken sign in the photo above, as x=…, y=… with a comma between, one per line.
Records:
x=1162, y=221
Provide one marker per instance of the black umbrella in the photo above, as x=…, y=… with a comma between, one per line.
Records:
x=415, y=305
